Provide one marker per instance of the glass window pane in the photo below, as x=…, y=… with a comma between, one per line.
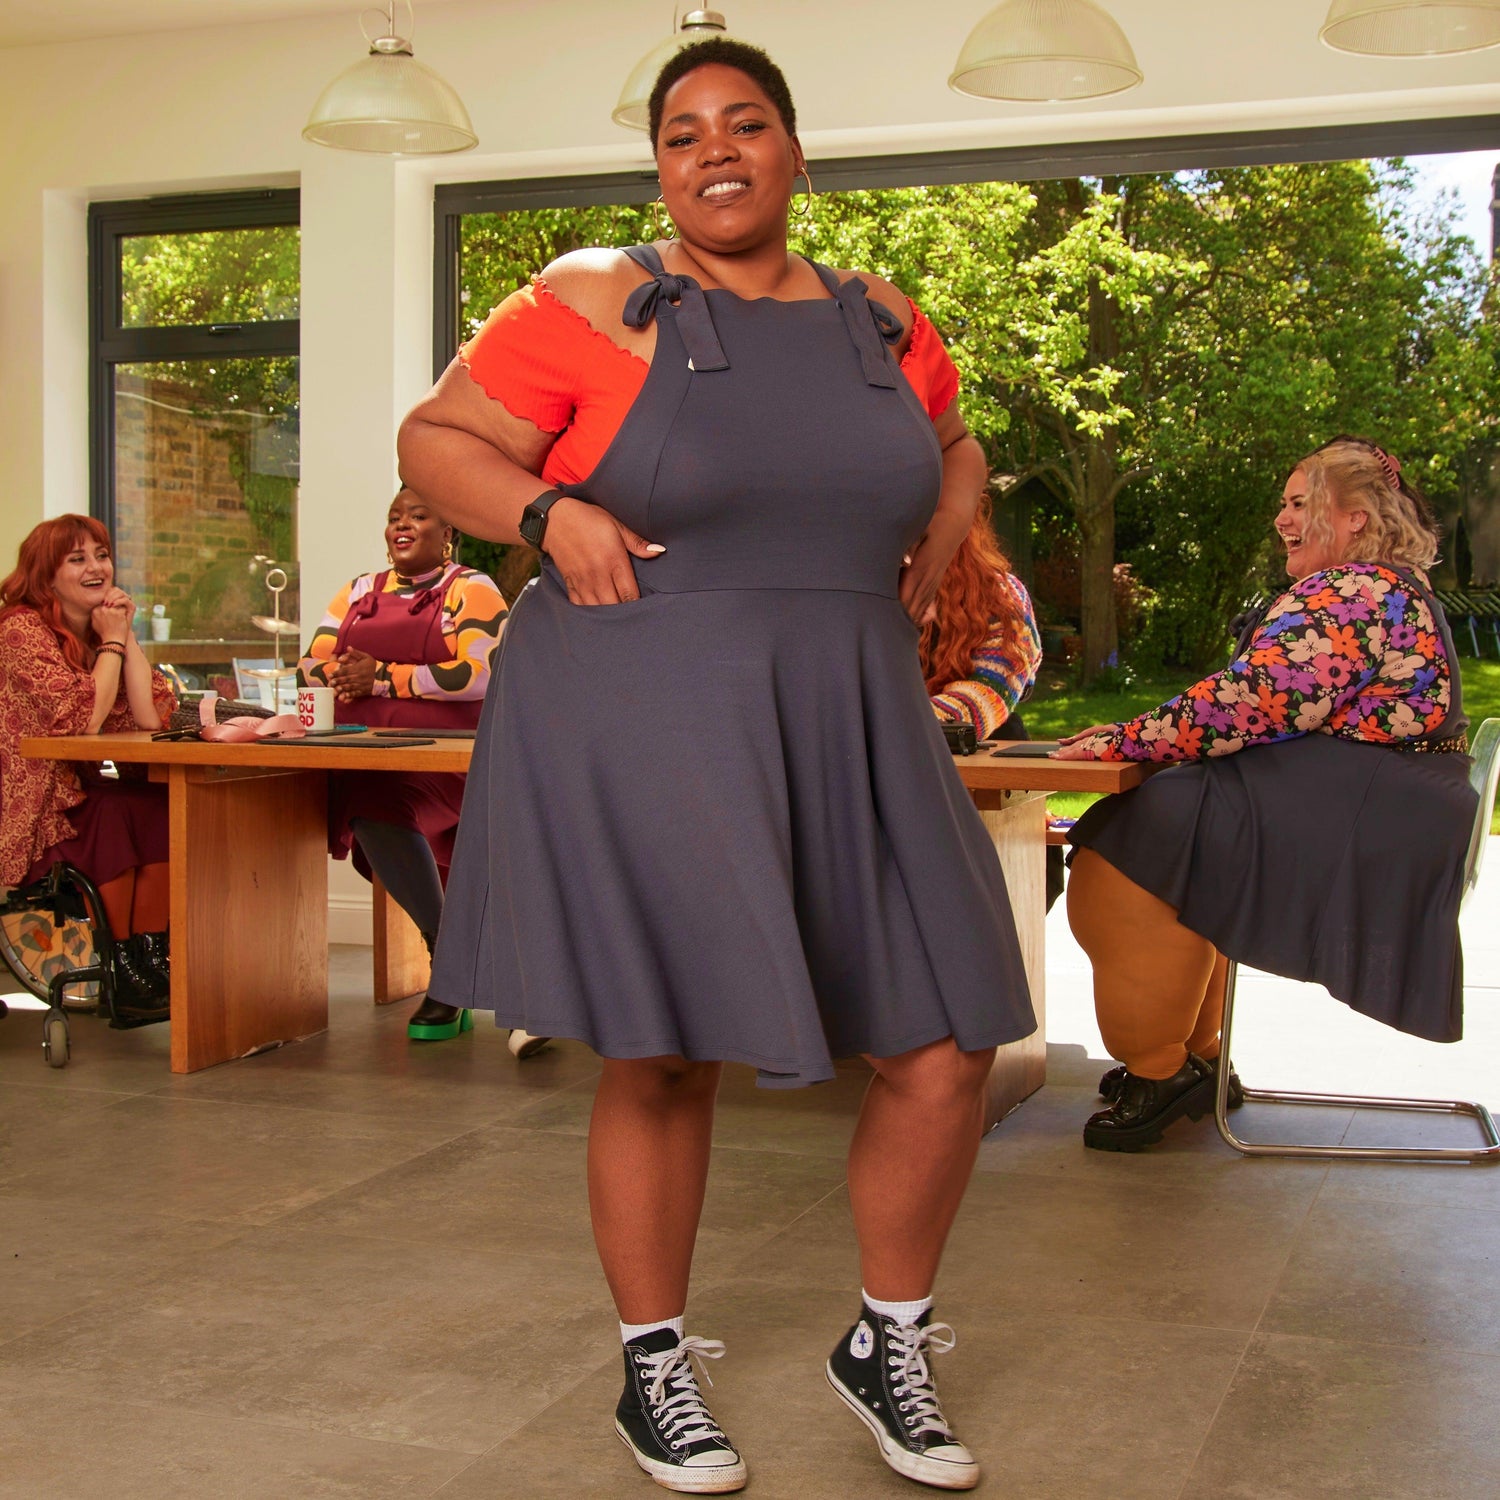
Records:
x=219, y=276
x=206, y=471
x=500, y=252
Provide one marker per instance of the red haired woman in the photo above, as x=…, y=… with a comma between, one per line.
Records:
x=69, y=665
x=980, y=645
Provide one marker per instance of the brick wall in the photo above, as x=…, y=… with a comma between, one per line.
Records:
x=182, y=533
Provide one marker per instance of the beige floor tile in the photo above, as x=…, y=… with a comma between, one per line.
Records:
x=1382, y=1272
x=1101, y=1248
x=366, y=1064
x=78, y=1448
x=125, y=1062
x=497, y=1189
x=1310, y=1419
x=61, y=1253
x=231, y=1163
x=323, y=1332
x=39, y=1124
x=1045, y=1138
x=358, y=1268
x=1024, y=1391
x=508, y=1189
x=1060, y=1407
x=1436, y=1185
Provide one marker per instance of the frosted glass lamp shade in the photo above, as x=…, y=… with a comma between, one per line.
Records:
x=1411, y=28
x=1045, y=50
x=391, y=105
x=633, y=110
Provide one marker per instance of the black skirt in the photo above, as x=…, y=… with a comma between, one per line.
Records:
x=1317, y=859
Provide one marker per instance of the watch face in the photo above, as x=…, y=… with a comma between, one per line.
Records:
x=533, y=528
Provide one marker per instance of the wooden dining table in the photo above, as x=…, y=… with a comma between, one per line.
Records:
x=249, y=880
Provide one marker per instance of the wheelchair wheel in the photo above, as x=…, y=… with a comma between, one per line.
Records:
x=39, y=939
x=57, y=1046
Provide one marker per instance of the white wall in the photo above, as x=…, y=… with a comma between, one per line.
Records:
x=223, y=108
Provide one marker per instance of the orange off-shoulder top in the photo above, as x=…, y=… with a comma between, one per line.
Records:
x=550, y=366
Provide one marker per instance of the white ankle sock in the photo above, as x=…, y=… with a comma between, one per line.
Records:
x=630, y=1331
x=898, y=1312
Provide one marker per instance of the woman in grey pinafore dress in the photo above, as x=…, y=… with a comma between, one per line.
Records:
x=1318, y=825
x=711, y=815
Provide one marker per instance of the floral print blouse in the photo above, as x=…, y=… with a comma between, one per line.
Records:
x=1352, y=651
x=40, y=693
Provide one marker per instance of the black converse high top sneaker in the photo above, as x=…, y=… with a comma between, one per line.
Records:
x=661, y=1417
x=880, y=1369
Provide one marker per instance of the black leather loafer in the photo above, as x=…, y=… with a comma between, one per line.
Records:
x=1144, y=1107
x=1109, y=1084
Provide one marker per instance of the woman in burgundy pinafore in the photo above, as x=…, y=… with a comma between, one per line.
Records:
x=407, y=648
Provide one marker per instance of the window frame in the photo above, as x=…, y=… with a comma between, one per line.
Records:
x=931, y=169
x=111, y=344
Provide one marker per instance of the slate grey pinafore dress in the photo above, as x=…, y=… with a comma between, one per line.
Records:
x=720, y=821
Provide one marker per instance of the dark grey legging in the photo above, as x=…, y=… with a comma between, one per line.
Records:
x=403, y=860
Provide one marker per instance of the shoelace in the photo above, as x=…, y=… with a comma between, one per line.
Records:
x=909, y=1345
x=673, y=1392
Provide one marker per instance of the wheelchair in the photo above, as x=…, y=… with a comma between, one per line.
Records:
x=55, y=940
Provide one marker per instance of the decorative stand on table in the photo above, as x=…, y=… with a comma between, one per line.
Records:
x=277, y=674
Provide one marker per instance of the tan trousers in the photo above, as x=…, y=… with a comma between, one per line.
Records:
x=1158, y=988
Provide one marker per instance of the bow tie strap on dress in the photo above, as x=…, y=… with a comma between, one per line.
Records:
x=689, y=305
x=871, y=326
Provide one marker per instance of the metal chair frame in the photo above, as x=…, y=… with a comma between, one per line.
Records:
x=1483, y=777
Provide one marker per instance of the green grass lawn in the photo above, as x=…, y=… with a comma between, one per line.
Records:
x=1056, y=708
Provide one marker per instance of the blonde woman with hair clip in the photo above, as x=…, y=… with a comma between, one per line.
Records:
x=1302, y=835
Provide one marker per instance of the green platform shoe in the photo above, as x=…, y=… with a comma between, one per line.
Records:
x=432, y=1021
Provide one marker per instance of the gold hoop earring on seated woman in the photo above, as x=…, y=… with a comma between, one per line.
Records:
x=447, y=551
x=658, y=209
x=806, y=211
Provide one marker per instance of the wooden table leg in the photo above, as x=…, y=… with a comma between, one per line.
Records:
x=1017, y=823
x=249, y=892
x=401, y=963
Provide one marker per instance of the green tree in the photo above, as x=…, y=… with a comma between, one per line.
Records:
x=1328, y=306
x=1158, y=350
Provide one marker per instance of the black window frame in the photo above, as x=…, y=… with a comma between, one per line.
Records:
x=929, y=169
x=111, y=344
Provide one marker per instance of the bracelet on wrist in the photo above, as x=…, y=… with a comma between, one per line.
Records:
x=110, y=648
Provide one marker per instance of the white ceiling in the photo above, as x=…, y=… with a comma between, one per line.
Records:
x=25, y=23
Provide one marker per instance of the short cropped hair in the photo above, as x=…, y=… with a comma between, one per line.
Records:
x=1356, y=474
x=729, y=52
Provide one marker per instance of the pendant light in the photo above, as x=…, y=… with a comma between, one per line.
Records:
x=1411, y=28
x=633, y=110
x=390, y=104
x=1044, y=51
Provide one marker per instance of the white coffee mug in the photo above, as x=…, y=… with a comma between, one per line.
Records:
x=315, y=709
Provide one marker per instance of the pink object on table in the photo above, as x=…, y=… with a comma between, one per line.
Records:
x=238, y=730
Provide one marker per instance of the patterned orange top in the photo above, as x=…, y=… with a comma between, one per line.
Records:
x=550, y=366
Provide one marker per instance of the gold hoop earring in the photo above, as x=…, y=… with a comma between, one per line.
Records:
x=806, y=211
x=447, y=551
x=657, y=210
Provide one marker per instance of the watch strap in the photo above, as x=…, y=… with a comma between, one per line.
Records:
x=534, y=517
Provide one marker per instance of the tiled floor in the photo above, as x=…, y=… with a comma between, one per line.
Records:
x=362, y=1269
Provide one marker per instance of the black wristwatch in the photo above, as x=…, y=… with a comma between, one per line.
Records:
x=534, y=518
